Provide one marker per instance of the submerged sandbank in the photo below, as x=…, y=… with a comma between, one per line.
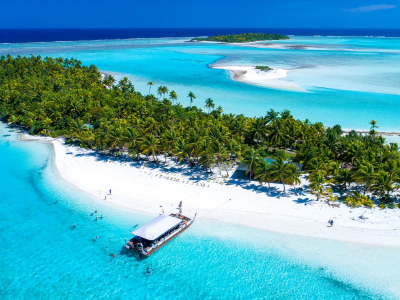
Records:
x=270, y=79
x=145, y=187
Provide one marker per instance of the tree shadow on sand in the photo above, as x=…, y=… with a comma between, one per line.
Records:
x=305, y=201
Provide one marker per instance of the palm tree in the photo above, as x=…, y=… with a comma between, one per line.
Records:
x=115, y=138
x=76, y=107
x=344, y=177
x=160, y=91
x=170, y=139
x=272, y=115
x=366, y=175
x=292, y=175
x=209, y=104
x=206, y=159
x=250, y=158
x=150, y=84
x=180, y=149
x=191, y=96
x=383, y=185
x=263, y=172
x=150, y=145
x=317, y=181
x=373, y=124
x=77, y=126
x=380, y=141
x=258, y=130
x=277, y=135
x=220, y=153
x=130, y=138
x=277, y=171
x=164, y=90
x=173, y=96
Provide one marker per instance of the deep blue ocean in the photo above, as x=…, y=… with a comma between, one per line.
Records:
x=78, y=34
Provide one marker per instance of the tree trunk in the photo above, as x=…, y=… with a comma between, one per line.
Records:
x=295, y=192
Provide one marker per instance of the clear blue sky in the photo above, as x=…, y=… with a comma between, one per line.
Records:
x=199, y=14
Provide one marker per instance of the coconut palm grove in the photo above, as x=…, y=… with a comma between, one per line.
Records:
x=63, y=98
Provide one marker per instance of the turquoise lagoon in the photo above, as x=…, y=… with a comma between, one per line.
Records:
x=43, y=257
x=350, y=80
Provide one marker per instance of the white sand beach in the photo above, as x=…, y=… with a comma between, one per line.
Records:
x=149, y=188
x=251, y=75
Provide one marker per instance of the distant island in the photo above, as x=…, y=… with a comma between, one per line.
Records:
x=243, y=38
x=264, y=68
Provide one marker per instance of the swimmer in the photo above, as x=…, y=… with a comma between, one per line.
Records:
x=95, y=211
x=74, y=225
x=96, y=237
x=91, y=214
x=96, y=218
x=148, y=270
x=101, y=217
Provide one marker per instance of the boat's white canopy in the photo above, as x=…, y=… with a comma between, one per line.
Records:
x=156, y=227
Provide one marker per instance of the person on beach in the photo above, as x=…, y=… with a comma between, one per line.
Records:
x=110, y=191
x=180, y=204
x=105, y=197
x=331, y=223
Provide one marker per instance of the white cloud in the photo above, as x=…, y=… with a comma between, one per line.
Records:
x=371, y=8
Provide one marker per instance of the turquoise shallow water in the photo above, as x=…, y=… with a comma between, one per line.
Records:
x=350, y=80
x=43, y=257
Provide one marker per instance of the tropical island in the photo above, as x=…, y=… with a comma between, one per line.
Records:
x=56, y=97
x=243, y=38
x=264, y=68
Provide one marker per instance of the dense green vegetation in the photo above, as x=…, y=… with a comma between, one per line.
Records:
x=264, y=68
x=61, y=97
x=243, y=38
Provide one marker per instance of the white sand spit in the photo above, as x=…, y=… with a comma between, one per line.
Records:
x=251, y=75
x=270, y=79
x=149, y=188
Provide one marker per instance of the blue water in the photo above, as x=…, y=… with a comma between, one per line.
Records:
x=349, y=80
x=43, y=257
x=76, y=34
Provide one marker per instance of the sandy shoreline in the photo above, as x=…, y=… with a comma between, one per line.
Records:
x=151, y=189
x=271, y=79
